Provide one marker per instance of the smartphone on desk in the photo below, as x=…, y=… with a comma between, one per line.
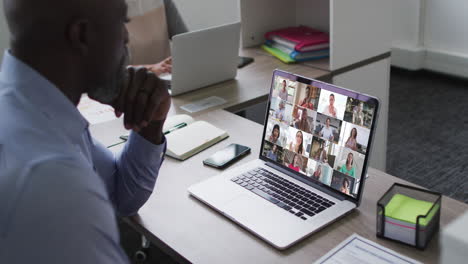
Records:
x=227, y=156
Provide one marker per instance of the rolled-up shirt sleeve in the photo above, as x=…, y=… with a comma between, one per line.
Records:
x=137, y=170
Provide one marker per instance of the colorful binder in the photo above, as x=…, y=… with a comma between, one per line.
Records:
x=295, y=56
x=284, y=57
x=301, y=38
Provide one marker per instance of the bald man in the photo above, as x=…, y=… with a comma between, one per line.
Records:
x=60, y=190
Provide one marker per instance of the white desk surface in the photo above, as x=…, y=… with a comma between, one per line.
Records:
x=201, y=235
x=251, y=84
x=185, y=227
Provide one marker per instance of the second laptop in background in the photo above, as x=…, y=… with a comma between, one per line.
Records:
x=203, y=57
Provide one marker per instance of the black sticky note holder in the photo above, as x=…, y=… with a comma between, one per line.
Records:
x=416, y=235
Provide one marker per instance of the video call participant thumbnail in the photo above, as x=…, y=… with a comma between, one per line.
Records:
x=327, y=131
x=330, y=109
x=281, y=111
x=295, y=161
x=284, y=88
x=359, y=113
x=308, y=100
x=347, y=161
x=351, y=142
x=343, y=183
x=319, y=171
x=328, y=128
x=275, y=134
x=354, y=137
x=345, y=186
x=297, y=145
x=303, y=119
x=319, y=150
x=283, y=91
x=348, y=168
x=296, y=164
x=273, y=152
x=332, y=104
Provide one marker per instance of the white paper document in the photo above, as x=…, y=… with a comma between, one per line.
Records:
x=94, y=111
x=358, y=250
x=203, y=104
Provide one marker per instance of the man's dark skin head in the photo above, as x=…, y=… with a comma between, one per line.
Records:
x=77, y=45
x=80, y=47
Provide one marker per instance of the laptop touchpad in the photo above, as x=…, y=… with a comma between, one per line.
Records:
x=265, y=219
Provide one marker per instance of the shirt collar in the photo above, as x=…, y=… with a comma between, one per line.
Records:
x=41, y=93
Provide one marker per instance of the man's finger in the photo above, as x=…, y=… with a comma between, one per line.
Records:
x=136, y=84
x=143, y=104
x=119, y=103
x=161, y=101
x=153, y=104
x=169, y=68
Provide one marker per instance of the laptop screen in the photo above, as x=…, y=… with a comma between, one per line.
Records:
x=319, y=131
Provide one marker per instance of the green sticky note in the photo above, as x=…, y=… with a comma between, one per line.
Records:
x=404, y=208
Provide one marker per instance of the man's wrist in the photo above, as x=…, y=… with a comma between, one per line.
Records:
x=153, y=132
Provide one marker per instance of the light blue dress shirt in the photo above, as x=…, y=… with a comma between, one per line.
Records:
x=59, y=188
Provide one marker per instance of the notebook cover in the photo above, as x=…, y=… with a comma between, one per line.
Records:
x=312, y=58
x=195, y=137
x=302, y=36
x=299, y=56
x=279, y=46
x=281, y=43
x=284, y=57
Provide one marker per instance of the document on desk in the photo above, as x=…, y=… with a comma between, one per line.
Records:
x=94, y=111
x=203, y=104
x=358, y=250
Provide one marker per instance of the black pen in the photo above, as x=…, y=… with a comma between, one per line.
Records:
x=181, y=125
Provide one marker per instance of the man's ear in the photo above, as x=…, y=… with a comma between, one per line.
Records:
x=78, y=35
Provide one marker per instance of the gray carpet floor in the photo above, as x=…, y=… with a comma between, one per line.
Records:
x=428, y=131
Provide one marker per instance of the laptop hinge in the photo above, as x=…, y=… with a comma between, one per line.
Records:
x=317, y=186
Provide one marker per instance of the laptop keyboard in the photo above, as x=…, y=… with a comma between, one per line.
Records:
x=283, y=193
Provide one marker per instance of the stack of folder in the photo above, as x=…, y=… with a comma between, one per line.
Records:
x=295, y=44
x=401, y=215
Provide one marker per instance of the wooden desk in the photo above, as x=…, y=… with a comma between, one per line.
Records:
x=251, y=85
x=183, y=226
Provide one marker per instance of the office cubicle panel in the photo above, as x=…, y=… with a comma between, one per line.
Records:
x=261, y=16
x=189, y=15
x=372, y=79
x=201, y=14
x=358, y=30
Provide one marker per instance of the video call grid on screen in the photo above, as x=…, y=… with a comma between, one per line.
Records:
x=319, y=133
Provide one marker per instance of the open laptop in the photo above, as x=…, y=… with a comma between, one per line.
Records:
x=311, y=169
x=203, y=57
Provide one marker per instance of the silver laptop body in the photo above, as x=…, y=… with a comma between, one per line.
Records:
x=283, y=199
x=203, y=57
